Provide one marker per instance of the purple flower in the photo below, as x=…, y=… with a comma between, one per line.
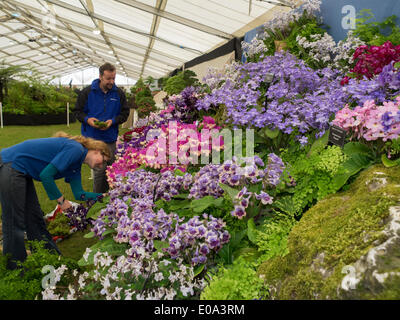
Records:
x=264, y=197
x=239, y=212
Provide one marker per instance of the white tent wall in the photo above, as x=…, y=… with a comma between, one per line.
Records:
x=85, y=77
x=201, y=69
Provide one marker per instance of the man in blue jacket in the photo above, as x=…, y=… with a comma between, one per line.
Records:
x=102, y=101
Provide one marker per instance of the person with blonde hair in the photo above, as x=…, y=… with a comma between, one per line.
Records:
x=45, y=160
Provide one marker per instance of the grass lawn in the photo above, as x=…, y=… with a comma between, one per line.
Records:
x=75, y=245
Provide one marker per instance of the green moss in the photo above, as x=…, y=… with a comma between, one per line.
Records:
x=335, y=232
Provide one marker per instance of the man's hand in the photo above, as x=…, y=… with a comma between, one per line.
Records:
x=91, y=123
x=109, y=123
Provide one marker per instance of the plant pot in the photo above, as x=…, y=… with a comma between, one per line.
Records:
x=36, y=119
x=280, y=45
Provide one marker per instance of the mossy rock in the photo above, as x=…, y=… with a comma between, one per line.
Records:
x=347, y=246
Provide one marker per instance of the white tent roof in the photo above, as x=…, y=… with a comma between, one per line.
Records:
x=141, y=37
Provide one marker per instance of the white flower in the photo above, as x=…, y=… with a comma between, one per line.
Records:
x=166, y=262
x=186, y=290
x=128, y=294
x=71, y=295
x=170, y=294
x=158, y=276
x=86, y=254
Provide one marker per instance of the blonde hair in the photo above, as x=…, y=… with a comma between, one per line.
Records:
x=88, y=143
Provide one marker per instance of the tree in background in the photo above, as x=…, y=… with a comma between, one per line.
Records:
x=6, y=75
x=177, y=83
x=142, y=98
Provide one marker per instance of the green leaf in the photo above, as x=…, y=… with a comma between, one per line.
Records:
x=89, y=235
x=179, y=204
x=248, y=254
x=349, y=168
x=226, y=252
x=272, y=134
x=389, y=163
x=397, y=65
x=199, y=205
x=181, y=196
x=319, y=144
x=94, y=211
x=179, y=172
x=219, y=202
x=356, y=163
x=199, y=269
x=160, y=203
x=352, y=148
x=159, y=245
x=229, y=191
x=252, y=231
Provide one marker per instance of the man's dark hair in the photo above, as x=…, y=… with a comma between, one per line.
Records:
x=106, y=67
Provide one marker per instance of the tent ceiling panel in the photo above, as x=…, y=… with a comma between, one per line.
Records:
x=225, y=15
x=188, y=37
x=3, y=30
x=141, y=37
x=15, y=49
x=28, y=54
x=40, y=57
x=10, y=59
x=13, y=25
x=135, y=18
x=168, y=61
x=174, y=51
x=47, y=61
x=80, y=18
x=22, y=62
x=114, y=32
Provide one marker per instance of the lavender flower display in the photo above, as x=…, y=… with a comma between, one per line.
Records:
x=299, y=100
x=131, y=213
x=184, y=105
x=231, y=173
x=141, y=188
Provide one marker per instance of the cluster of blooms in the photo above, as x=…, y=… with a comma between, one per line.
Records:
x=325, y=52
x=282, y=20
x=150, y=186
x=171, y=146
x=383, y=87
x=371, y=122
x=232, y=173
x=343, y=52
x=136, y=223
x=182, y=106
x=270, y=176
x=370, y=60
x=136, y=138
x=198, y=238
x=145, y=187
x=319, y=48
x=280, y=24
x=118, y=279
x=253, y=48
x=77, y=214
x=298, y=99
